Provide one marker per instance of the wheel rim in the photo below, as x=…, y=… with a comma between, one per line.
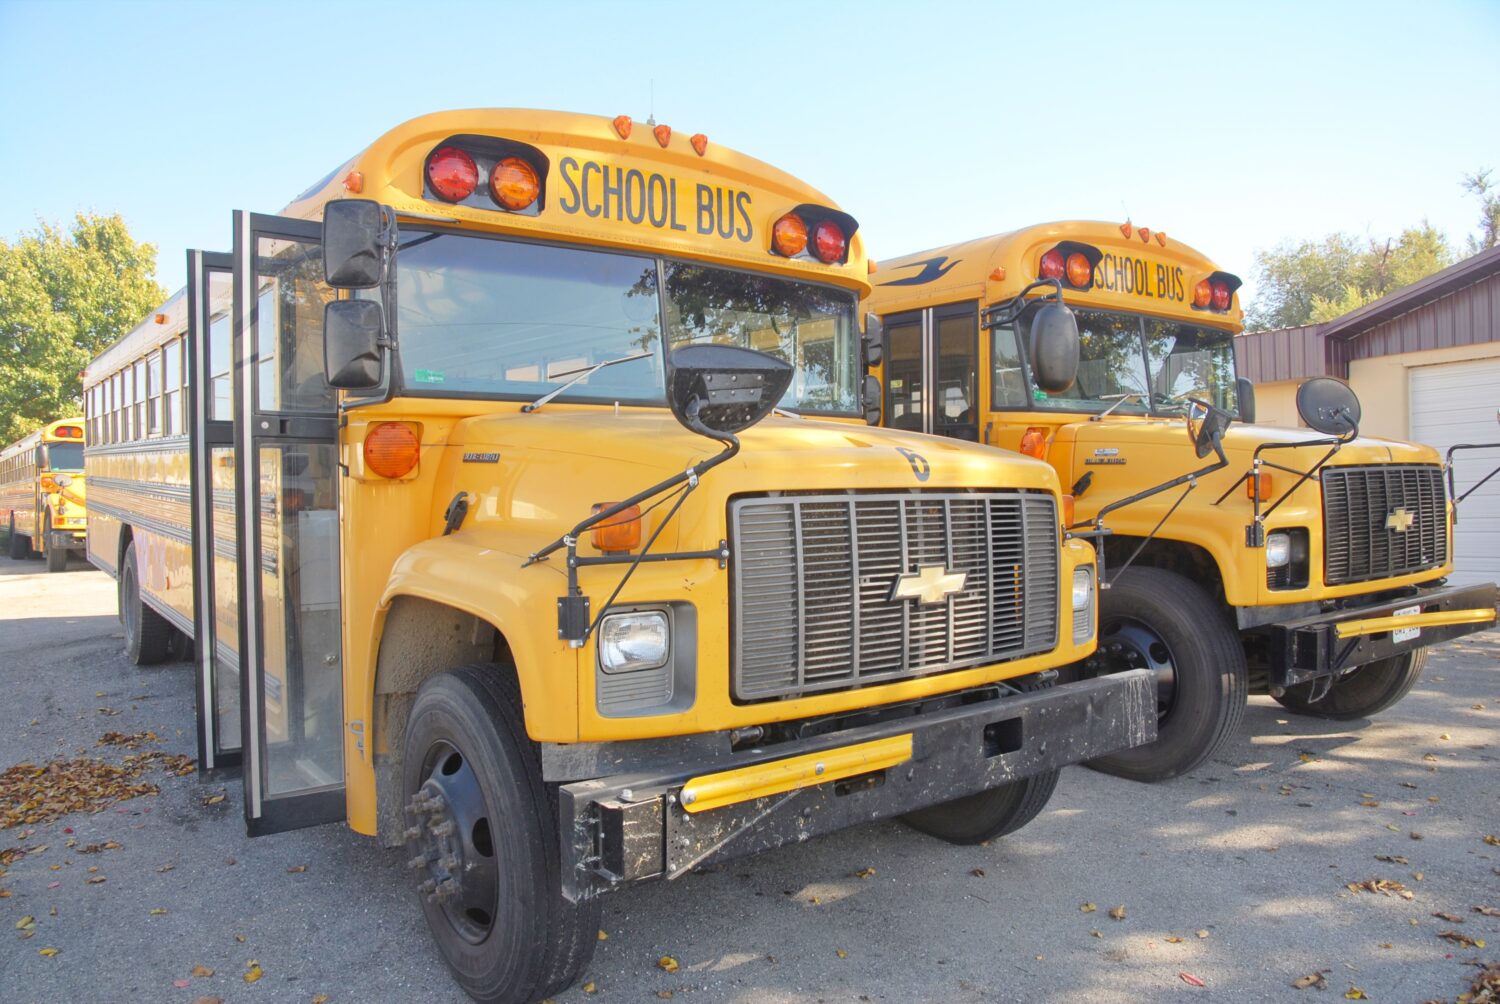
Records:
x=128, y=602
x=452, y=843
x=1130, y=644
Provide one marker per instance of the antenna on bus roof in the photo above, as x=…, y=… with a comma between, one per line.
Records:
x=651, y=112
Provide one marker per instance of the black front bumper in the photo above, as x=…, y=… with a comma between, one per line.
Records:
x=626, y=828
x=1309, y=647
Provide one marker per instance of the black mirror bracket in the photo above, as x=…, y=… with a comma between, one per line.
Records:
x=1006, y=312
x=1448, y=470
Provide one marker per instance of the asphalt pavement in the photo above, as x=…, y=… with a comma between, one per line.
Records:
x=1236, y=876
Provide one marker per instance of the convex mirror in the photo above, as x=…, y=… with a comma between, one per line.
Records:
x=1329, y=406
x=1244, y=395
x=1054, y=347
x=721, y=389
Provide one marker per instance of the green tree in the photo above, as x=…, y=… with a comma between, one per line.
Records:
x=1488, y=193
x=63, y=298
x=1311, y=281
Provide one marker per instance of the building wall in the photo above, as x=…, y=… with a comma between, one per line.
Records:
x=1383, y=384
x=1276, y=403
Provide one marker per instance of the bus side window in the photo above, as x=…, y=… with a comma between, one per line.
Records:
x=1007, y=381
x=172, y=423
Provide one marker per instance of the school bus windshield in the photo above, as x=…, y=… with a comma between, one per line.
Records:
x=63, y=457
x=1139, y=364
x=480, y=317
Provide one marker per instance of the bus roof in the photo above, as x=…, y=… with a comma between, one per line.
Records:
x=46, y=433
x=969, y=270
x=717, y=206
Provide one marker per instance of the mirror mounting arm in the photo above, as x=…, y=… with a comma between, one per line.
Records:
x=1448, y=469
x=1255, y=533
x=1004, y=313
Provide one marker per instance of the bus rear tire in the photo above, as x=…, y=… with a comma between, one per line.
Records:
x=20, y=547
x=148, y=636
x=473, y=790
x=1366, y=691
x=57, y=557
x=1163, y=621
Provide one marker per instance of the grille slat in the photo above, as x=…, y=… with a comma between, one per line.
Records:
x=813, y=576
x=1358, y=502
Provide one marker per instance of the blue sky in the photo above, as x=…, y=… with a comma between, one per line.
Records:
x=1228, y=126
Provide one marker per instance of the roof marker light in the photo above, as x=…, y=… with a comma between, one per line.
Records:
x=700, y=143
x=997, y=274
x=1161, y=238
x=354, y=182
x=622, y=125
x=663, y=134
x=1126, y=229
x=1145, y=233
x=871, y=267
x=161, y=318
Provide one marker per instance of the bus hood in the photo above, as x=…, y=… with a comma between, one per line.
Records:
x=1094, y=440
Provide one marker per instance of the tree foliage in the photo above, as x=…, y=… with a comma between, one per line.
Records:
x=1487, y=192
x=1318, y=280
x=64, y=296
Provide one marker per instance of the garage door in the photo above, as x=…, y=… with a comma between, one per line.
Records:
x=1456, y=403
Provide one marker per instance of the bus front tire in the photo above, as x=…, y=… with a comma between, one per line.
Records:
x=148, y=636
x=987, y=815
x=57, y=557
x=1366, y=691
x=20, y=547
x=1162, y=621
x=473, y=791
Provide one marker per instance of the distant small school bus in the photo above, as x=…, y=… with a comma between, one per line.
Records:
x=495, y=556
x=1308, y=564
x=42, y=495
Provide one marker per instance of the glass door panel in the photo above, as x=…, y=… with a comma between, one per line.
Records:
x=903, y=374
x=955, y=345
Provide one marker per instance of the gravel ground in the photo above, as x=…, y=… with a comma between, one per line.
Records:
x=1235, y=875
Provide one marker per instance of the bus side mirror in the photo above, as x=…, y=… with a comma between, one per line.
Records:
x=1054, y=347
x=352, y=334
x=874, y=341
x=1244, y=394
x=1329, y=406
x=718, y=390
x=356, y=235
x=871, y=395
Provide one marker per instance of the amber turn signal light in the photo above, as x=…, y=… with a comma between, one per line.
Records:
x=621, y=532
x=513, y=183
x=789, y=236
x=1203, y=293
x=1034, y=443
x=1265, y=487
x=391, y=449
x=1067, y=510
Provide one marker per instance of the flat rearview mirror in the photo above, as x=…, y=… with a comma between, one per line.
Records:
x=874, y=341
x=354, y=239
x=1054, y=347
x=720, y=389
x=352, y=333
x=1329, y=406
x=872, y=400
x=1206, y=425
x=1244, y=395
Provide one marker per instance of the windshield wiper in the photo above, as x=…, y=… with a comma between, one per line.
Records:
x=1119, y=399
x=582, y=374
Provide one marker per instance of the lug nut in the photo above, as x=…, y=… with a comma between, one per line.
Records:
x=427, y=887
x=450, y=863
x=442, y=829
x=412, y=832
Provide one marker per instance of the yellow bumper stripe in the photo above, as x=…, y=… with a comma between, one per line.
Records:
x=1375, y=625
x=714, y=791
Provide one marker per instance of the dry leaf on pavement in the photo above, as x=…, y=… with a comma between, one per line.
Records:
x=1310, y=980
x=1191, y=980
x=202, y=972
x=864, y=873
x=667, y=964
x=1087, y=908
x=1117, y=913
x=1459, y=938
x=253, y=971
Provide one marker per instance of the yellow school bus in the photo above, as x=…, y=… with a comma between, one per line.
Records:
x=1308, y=564
x=534, y=525
x=42, y=493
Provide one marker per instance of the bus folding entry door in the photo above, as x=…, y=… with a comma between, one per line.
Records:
x=286, y=469
x=216, y=605
x=937, y=348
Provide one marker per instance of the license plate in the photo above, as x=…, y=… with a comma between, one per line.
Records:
x=1406, y=634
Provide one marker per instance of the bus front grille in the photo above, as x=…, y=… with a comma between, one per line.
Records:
x=815, y=577
x=1382, y=521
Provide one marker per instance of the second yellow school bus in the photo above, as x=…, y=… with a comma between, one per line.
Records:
x=506, y=566
x=43, y=494
x=1310, y=566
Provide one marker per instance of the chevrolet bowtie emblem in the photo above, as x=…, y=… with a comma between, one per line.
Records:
x=929, y=584
x=1400, y=521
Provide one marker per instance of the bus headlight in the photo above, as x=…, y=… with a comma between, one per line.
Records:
x=1278, y=549
x=1083, y=604
x=634, y=641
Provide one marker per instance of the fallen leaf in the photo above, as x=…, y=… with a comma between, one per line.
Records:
x=1488, y=911
x=1492, y=840
x=864, y=873
x=1370, y=804
x=1310, y=980
x=602, y=935
x=1201, y=934
x=240, y=938
x=1117, y=913
x=665, y=995
x=1305, y=757
x=1173, y=940
x=47, y=953
x=297, y=869
x=53, y=885
x=209, y=1000
x=1383, y=886
x=202, y=972
x=25, y=922
x=158, y=911
x=667, y=964
x=1087, y=908
x=841, y=953
x=977, y=872
x=95, y=879
x=1095, y=934
x=1415, y=835
x=589, y=988
x=1356, y=994
x=230, y=861
x=1191, y=980
x=166, y=867
x=213, y=799
x=1451, y=918
x=179, y=984
x=1393, y=859
x=253, y=971
x=1459, y=938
